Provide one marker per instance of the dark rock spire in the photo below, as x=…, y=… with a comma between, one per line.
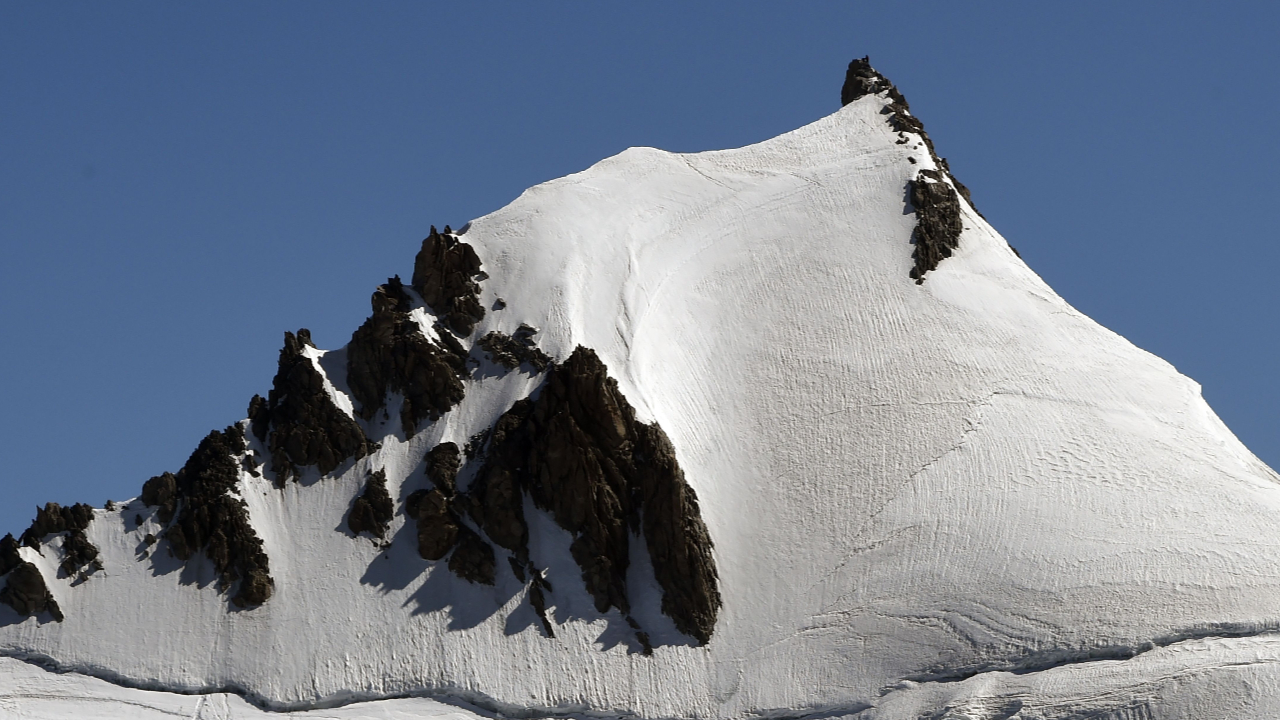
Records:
x=860, y=80
x=935, y=195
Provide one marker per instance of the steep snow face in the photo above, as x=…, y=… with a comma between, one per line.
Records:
x=904, y=482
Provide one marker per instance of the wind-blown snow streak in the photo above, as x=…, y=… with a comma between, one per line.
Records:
x=901, y=480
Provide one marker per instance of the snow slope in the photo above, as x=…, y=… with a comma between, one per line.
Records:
x=28, y=692
x=908, y=485
x=1196, y=680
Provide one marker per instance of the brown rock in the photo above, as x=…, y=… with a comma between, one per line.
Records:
x=861, y=80
x=473, y=558
x=438, y=526
x=210, y=519
x=443, y=462
x=581, y=455
x=510, y=351
x=474, y=449
x=259, y=417
x=306, y=428
x=444, y=274
x=500, y=508
x=27, y=593
x=938, y=221
x=53, y=518
x=372, y=510
x=677, y=540
x=10, y=558
x=390, y=353
x=161, y=491
x=255, y=589
x=538, y=599
x=77, y=550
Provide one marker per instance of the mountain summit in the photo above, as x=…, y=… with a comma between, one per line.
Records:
x=786, y=430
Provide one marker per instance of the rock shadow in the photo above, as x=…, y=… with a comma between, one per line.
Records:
x=10, y=617
x=469, y=604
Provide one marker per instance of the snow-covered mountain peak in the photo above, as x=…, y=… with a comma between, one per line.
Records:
x=787, y=429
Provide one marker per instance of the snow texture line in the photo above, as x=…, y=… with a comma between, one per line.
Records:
x=1050, y=660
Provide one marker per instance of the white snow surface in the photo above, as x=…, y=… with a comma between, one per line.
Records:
x=1210, y=679
x=28, y=692
x=907, y=485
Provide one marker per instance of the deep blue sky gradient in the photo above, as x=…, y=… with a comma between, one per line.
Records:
x=180, y=183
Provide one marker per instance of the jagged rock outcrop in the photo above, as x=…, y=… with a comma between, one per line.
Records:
x=443, y=463
x=161, y=492
x=538, y=589
x=938, y=221
x=510, y=351
x=372, y=510
x=474, y=448
x=390, y=353
x=473, y=558
x=939, y=239
x=438, y=513
x=497, y=492
x=576, y=450
x=208, y=517
x=435, y=510
x=582, y=456
x=437, y=522
x=53, y=518
x=677, y=539
x=77, y=550
x=26, y=592
x=860, y=80
x=299, y=421
x=445, y=274
x=10, y=558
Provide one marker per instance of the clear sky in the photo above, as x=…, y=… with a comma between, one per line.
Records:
x=180, y=183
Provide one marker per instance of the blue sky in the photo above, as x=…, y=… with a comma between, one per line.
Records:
x=181, y=183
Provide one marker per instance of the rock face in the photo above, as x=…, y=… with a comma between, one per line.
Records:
x=473, y=559
x=77, y=551
x=438, y=524
x=679, y=546
x=25, y=590
x=372, y=510
x=582, y=456
x=299, y=421
x=510, y=351
x=27, y=593
x=860, y=80
x=445, y=274
x=933, y=193
x=10, y=558
x=208, y=517
x=577, y=450
x=390, y=353
x=437, y=518
x=161, y=491
x=443, y=463
x=938, y=221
